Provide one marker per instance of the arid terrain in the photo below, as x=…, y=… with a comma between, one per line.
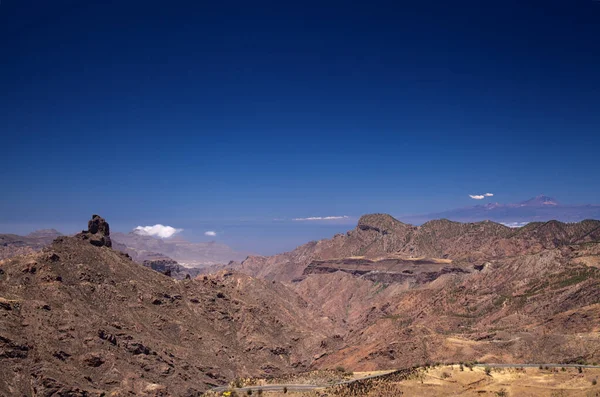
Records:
x=82, y=318
x=459, y=380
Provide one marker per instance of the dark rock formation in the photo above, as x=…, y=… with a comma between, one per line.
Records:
x=98, y=232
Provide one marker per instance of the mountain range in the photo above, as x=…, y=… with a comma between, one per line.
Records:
x=140, y=247
x=538, y=209
x=81, y=318
x=190, y=254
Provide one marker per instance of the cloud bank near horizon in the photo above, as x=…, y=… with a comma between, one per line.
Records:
x=210, y=233
x=321, y=218
x=157, y=230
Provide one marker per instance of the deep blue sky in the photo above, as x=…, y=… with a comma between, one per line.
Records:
x=226, y=115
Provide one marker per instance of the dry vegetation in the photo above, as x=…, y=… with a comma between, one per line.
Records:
x=452, y=381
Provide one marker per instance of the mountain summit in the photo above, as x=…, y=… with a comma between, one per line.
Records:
x=541, y=208
x=540, y=201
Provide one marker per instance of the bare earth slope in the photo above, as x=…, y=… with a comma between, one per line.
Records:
x=446, y=291
x=79, y=319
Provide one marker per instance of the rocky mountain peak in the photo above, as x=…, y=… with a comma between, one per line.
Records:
x=45, y=233
x=382, y=223
x=98, y=232
x=540, y=201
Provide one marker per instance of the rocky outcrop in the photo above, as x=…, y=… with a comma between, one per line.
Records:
x=98, y=232
x=388, y=270
x=170, y=267
x=382, y=223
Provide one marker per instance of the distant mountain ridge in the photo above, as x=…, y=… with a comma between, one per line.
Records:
x=139, y=247
x=187, y=253
x=12, y=244
x=381, y=235
x=537, y=209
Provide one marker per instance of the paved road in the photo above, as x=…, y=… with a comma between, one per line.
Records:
x=290, y=387
x=294, y=387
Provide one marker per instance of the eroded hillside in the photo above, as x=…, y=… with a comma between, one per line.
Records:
x=83, y=319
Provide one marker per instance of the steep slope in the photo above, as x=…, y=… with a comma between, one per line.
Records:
x=494, y=293
x=83, y=319
x=542, y=307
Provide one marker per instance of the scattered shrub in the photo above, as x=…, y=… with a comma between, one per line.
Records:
x=580, y=370
x=284, y=390
x=487, y=370
x=594, y=382
x=462, y=367
x=502, y=393
x=249, y=392
x=446, y=375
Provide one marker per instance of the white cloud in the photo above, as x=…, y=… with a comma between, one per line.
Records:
x=161, y=231
x=480, y=196
x=321, y=218
x=514, y=224
x=210, y=233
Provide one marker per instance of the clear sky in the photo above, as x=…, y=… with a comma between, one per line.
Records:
x=224, y=115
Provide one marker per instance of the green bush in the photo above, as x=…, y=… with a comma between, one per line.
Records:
x=487, y=370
